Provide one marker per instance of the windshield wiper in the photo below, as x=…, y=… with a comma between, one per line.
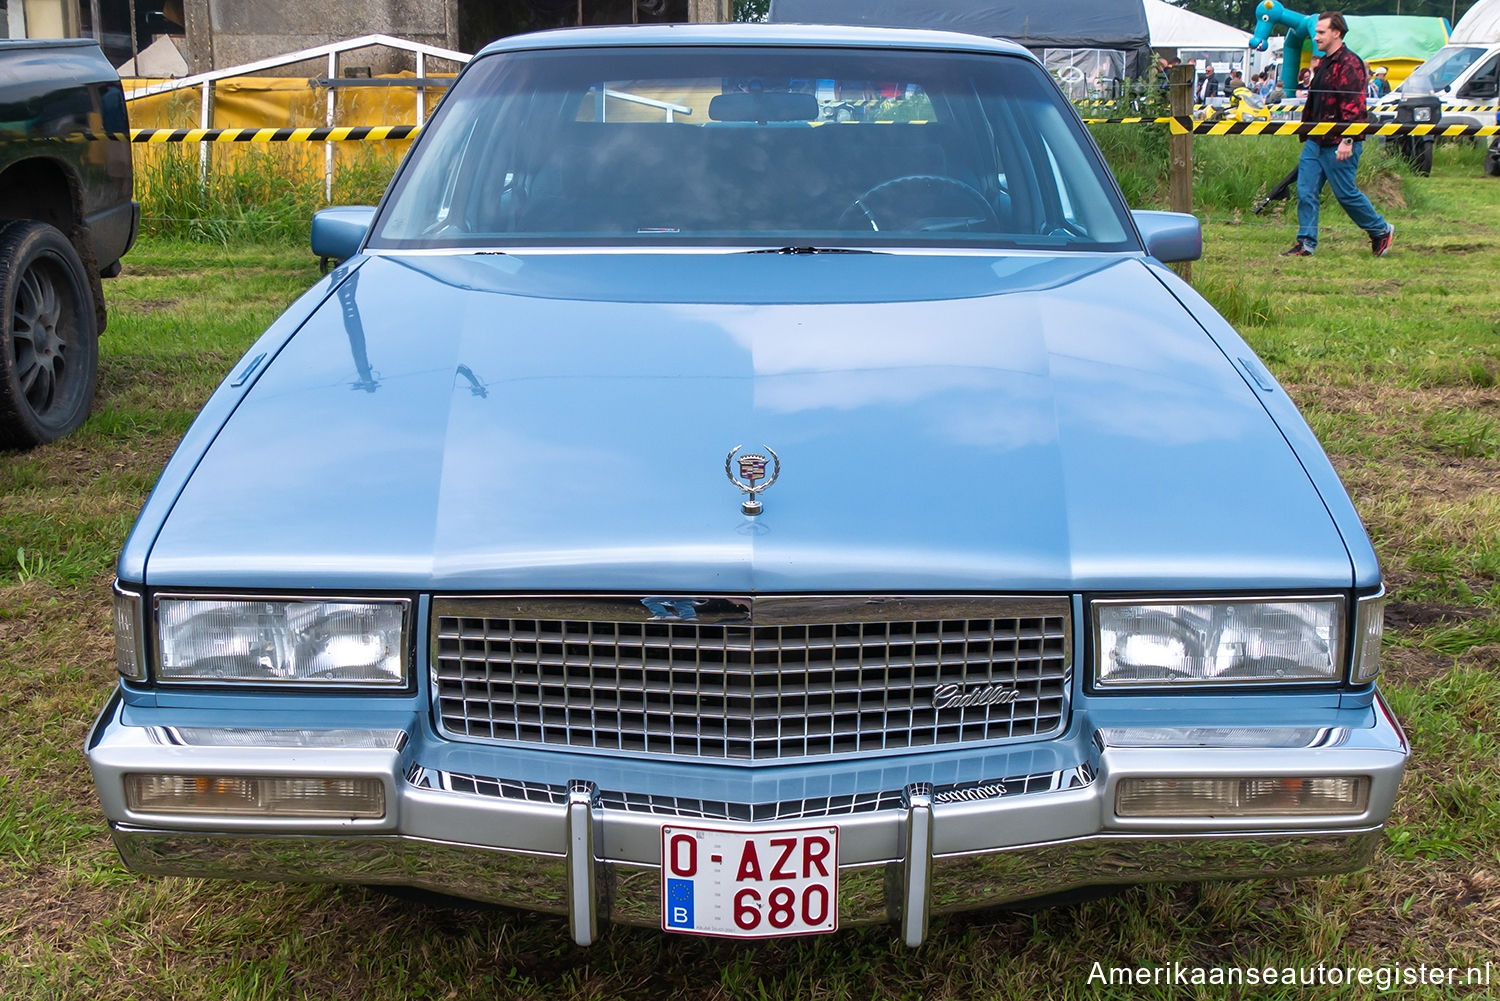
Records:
x=813, y=250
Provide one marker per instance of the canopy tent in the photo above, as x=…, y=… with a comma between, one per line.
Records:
x=1480, y=24
x=1173, y=27
x=1040, y=25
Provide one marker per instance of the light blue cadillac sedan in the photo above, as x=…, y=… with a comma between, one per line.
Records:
x=749, y=481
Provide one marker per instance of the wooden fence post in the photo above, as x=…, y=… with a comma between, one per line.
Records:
x=1180, y=162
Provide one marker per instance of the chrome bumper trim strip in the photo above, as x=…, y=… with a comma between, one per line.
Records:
x=868, y=894
x=569, y=851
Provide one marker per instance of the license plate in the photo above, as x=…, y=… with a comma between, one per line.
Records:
x=750, y=885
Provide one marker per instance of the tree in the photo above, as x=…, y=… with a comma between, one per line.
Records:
x=751, y=10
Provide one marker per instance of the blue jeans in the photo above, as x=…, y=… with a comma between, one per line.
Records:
x=1319, y=164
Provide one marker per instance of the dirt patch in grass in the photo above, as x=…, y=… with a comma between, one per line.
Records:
x=1397, y=401
x=1390, y=286
x=145, y=305
x=1421, y=614
x=45, y=909
x=129, y=270
x=1385, y=191
x=31, y=611
x=1411, y=665
x=1486, y=657
x=1464, y=248
x=1459, y=907
x=67, y=465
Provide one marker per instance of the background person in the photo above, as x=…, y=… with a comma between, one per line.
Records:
x=1207, y=86
x=1336, y=94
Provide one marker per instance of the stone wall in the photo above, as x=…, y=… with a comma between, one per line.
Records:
x=224, y=33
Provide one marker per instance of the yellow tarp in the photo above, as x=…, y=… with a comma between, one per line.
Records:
x=279, y=102
x=276, y=102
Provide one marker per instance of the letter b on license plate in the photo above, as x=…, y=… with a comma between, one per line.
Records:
x=750, y=885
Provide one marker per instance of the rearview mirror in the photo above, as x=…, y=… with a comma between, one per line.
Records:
x=770, y=106
x=1170, y=236
x=337, y=232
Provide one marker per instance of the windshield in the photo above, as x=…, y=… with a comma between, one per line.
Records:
x=1441, y=70
x=755, y=147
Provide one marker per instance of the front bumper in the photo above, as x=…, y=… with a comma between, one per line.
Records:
x=592, y=852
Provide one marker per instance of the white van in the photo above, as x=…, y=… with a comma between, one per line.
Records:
x=1462, y=73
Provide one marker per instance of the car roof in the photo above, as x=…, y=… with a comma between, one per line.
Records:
x=754, y=34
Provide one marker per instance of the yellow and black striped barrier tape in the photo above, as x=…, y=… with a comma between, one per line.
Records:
x=1277, y=108
x=1178, y=126
x=1357, y=130
x=337, y=133
x=1471, y=107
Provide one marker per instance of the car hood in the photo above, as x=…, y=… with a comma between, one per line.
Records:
x=561, y=422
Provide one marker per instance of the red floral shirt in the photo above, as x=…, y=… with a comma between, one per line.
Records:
x=1337, y=92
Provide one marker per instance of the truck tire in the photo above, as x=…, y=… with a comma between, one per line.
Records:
x=1492, y=159
x=49, y=336
x=1422, y=162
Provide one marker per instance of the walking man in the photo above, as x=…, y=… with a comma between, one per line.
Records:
x=1336, y=94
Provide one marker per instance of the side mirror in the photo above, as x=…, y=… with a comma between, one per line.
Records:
x=1170, y=236
x=337, y=232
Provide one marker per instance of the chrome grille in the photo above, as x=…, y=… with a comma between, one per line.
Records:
x=741, y=679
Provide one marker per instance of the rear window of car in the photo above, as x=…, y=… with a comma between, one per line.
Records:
x=753, y=147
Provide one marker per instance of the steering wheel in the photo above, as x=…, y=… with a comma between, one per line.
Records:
x=867, y=204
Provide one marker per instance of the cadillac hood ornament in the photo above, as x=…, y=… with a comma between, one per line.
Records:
x=752, y=467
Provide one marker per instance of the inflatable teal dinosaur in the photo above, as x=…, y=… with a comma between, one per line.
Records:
x=1299, y=31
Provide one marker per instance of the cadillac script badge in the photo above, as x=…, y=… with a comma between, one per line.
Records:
x=752, y=467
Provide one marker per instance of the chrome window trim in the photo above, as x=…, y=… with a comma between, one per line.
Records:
x=1341, y=652
x=592, y=250
x=407, y=674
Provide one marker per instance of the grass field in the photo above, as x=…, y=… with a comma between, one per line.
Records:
x=1395, y=362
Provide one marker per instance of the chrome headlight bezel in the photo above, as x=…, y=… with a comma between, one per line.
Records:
x=1333, y=675
x=400, y=683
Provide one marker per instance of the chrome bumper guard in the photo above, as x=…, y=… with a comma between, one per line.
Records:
x=587, y=855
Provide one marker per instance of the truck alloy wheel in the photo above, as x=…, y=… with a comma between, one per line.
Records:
x=49, y=353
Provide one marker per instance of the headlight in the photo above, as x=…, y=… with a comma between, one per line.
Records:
x=1219, y=642
x=290, y=642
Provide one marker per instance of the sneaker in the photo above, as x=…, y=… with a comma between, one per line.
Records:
x=1380, y=244
x=1299, y=249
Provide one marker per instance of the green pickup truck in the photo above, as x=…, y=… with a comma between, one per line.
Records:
x=67, y=216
